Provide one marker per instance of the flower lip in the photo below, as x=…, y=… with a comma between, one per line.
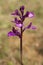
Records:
x=14, y=33
x=31, y=14
x=19, y=25
x=11, y=33
x=33, y=27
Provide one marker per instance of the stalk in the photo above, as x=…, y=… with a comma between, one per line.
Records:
x=21, y=48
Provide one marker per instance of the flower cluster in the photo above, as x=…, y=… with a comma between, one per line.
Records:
x=19, y=22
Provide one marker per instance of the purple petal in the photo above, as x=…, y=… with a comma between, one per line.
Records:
x=29, y=26
x=22, y=9
x=16, y=13
x=11, y=34
x=16, y=32
x=19, y=25
x=33, y=27
x=31, y=14
x=26, y=15
x=17, y=21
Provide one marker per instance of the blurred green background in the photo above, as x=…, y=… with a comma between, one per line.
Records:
x=32, y=39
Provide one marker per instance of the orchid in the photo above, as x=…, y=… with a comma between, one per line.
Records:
x=19, y=23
